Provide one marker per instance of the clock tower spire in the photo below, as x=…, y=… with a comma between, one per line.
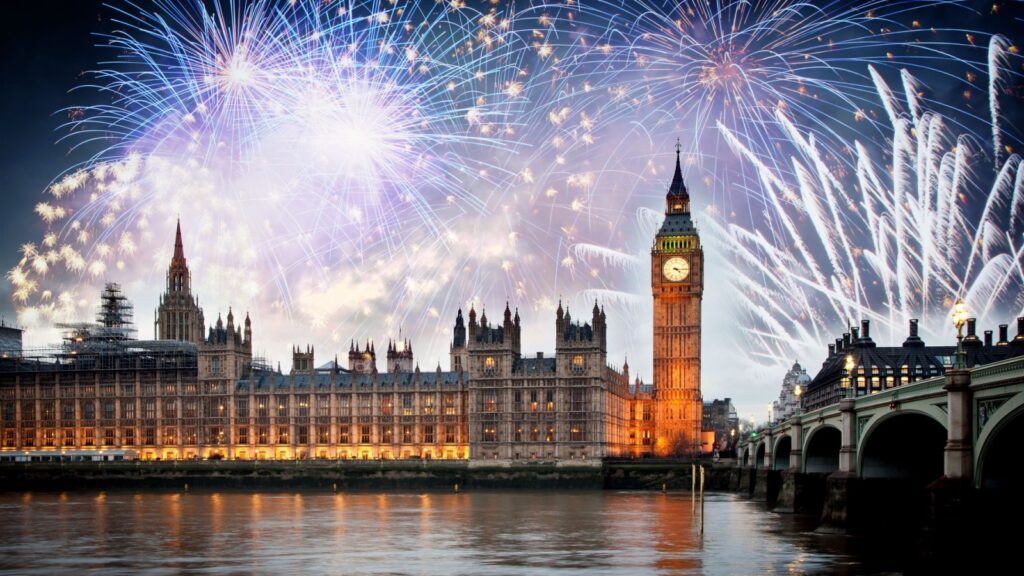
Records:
x=677, y=283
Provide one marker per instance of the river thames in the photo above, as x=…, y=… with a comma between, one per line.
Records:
x=576, y=532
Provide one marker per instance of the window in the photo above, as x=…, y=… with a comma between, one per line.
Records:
x=344, y=405
x=364, y=434
x=190, y=408
x=191, y=435
x=343, y=437
x=428, y=434
x=108, y=437
x=262, y=406
x=489, y=401
x=518, y=432
x=129, y=436
x=215, y=365
x=517, y=401
x=576, y=432
x=49, y=437
x=489, y=433
x=577, y=400
x=550, y=435
x=170, y=409
x=170, y=435
x=449, y=434
x=303, y=410
x=69, y=437
x=67, y=408
x=243, y=434
x=48, y=410
x=88, y=411
x=323, y=434
x=406, y=434
x=387, y=434
x=262, y=435
x=490, y=366
x=427, y=403
x=577, y=363
x=216, y=435
x=549, y=401
x=534, y=404
x=242, y=407
x=407, y=409
x=303, y=433
x=323, y=405
x=281, y=406
x=450, y=404
x=534, y=433
x=28, y=410
x=128, y=409
x=385, y=405
x=365, y=405
x=282, y=434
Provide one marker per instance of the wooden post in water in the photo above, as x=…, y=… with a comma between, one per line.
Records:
x=702, y=500
x=693, y=488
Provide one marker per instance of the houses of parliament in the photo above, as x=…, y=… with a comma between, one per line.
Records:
x=197, y=392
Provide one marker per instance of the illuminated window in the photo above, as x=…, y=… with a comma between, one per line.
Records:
x=489, y=433
x=428, y=434
x=550, y=435
x=364, y=434
x=576, y=432
x=490, y=366
x=577, y=363
x=449, y=434
x=343, y=437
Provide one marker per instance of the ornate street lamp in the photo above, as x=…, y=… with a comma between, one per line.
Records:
x=798, y=391
x=847, y=383
x=960, y=315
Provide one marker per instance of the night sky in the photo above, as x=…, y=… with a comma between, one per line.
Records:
x=47, y=45
x=50, y=45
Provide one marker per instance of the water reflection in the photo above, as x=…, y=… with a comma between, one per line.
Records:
x=366, y=533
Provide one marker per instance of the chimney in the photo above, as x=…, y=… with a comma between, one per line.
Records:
x=846, y=340
x=854, y=334
x=865, y=329
x=839, y=344
x=913, y=340
x=1019, y=338
x=971, y=339
x=1002, y=335
x=988, y=337
x=831, y=350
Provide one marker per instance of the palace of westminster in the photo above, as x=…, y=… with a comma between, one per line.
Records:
x=195, y=392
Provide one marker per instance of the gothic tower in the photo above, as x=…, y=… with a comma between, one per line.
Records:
x=677, y=282
x=179, y=317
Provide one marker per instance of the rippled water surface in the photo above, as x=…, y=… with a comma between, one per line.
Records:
x=430, y=533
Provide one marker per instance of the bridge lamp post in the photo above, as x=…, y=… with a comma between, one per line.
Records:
x=959, y=319
x=847, y=383
x=798, y=391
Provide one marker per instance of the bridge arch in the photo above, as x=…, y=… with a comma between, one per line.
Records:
x=821, y=451
x=907, y=445
x=999, y=466
x=759, y=455
x=746, y=456
x=780, y=455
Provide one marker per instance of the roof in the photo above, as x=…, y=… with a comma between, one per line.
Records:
x=265, y=381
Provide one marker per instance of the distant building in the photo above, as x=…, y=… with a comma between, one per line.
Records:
x=874, y=368
x=10, y=340
x=788, y=400
x=720, y=418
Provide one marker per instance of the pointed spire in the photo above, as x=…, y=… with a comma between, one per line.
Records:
x=678, y=187
x=179, y=248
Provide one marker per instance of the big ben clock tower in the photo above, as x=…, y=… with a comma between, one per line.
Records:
x=677, y=281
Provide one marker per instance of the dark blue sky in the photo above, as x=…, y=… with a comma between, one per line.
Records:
x=47, y=44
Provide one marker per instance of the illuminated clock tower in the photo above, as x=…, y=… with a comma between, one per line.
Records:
x=677, y=281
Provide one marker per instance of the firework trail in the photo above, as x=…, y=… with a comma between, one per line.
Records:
x=343, y=166
x=887, y=241
x=307, y=146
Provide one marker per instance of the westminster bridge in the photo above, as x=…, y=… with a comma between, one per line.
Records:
x=945, y=447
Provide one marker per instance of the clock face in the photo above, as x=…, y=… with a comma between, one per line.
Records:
x=676, y=269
